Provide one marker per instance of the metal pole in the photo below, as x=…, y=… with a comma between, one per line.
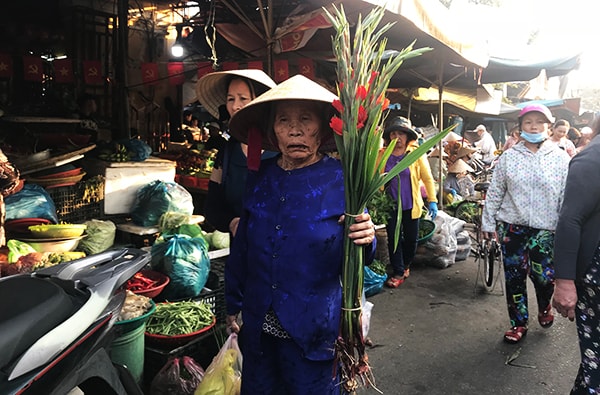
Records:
x=440, y=127
x=122, y=98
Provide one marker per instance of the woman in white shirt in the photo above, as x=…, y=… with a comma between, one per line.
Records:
x=522, y=206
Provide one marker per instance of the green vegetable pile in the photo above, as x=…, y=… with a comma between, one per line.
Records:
x=380, y=207
x=179, y=318
x=378, y=267
x=425, y=228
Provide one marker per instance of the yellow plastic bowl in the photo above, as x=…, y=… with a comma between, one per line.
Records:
x=53, y=245
x=55, y=231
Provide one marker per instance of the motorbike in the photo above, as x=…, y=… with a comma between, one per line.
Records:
x=57, y=326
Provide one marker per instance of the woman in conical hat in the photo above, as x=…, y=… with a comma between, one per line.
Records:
x=224, y=93
x=283, y=272
x=458, y=183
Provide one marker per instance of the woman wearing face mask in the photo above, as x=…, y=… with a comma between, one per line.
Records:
x=522, y=207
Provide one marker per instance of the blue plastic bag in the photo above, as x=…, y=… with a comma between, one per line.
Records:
x=373, y=282
x=158, y=197
x=139, y=148
x=185, y=260
x=31, y=202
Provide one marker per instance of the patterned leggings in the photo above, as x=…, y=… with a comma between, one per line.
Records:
x=527, y=252
x=587, y=314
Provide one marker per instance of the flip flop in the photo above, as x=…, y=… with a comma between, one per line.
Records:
x=515, y=334
x=394, y=282
x=546, y=318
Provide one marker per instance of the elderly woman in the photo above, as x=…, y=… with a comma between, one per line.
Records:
x=231, y=90
x=406, y=192
x=522, y=206
x=283, y=272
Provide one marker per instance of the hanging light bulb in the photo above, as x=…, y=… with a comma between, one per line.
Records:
x=177, y=50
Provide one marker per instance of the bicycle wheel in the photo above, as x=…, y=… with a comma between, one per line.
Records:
x=492, y=262
x=468, y=211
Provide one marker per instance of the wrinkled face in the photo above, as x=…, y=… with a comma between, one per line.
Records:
x=402, y=140
x=534, y=122
x=560, y=131
x=297, y=127
x=238, y=95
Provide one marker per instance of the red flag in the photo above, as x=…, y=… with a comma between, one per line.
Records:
x=63, y=71
x=306, y=67
x=230, y=66
x=255, y=65
x=176, y=76
x=6, y=65
x=150, y=73
x=204, y=68
x=282, y=72
x=92, y=72
x=33, y=69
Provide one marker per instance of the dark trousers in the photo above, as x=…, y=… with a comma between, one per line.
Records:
x=402, y=257
x=281, y=369
x=587, y=315
x=528, y=252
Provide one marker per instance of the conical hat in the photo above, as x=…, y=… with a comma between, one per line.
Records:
x=436, y=153
x=464, y=151
x=257, y=112
x=211, y=89
x=451, y=136
x=459, y=166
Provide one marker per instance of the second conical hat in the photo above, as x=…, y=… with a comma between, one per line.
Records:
x=452, y=137
x=436, y=153
x=459, y=166
x=464, y=151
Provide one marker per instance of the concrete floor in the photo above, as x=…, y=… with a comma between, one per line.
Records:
x=440, y=334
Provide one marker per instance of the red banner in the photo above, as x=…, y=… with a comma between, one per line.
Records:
x=282, y=71
x=230, y=66
x=255, y=65
x=63, y=71
x=306, y=67
x=204, y=68
x=33, y=70
x=176, y=76
x=6, y=65
x=150, y=73
x=92, y=72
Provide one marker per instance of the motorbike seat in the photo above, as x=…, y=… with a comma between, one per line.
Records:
x=36, y=306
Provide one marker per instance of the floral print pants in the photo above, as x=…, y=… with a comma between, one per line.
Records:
x=527, y=252
x=587, y=315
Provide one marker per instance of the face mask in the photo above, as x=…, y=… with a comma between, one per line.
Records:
x=533, y=138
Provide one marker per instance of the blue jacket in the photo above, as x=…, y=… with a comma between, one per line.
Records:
x=287, y=254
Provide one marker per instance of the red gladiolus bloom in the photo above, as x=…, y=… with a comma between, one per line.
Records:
x=374, y=75
x=386, y=104
x=361, y=92
x=336, y=125
x=337, y=105
x=362, y=115
x=384, y=101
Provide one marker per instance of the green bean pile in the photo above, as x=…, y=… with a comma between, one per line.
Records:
x=179, y=318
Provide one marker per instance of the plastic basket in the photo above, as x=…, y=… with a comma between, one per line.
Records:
x=80, y=202
x=426, y=229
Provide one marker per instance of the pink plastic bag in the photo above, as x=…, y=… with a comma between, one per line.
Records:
x=179, y=376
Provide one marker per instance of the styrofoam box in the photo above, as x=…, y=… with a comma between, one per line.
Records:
x=124, y=179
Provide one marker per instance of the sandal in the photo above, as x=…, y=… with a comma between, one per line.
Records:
x=394, y=282
x=406, y=273
x=515, y=334
x=546, y=318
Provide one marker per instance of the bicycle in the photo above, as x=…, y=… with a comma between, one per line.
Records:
x=488, y=254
